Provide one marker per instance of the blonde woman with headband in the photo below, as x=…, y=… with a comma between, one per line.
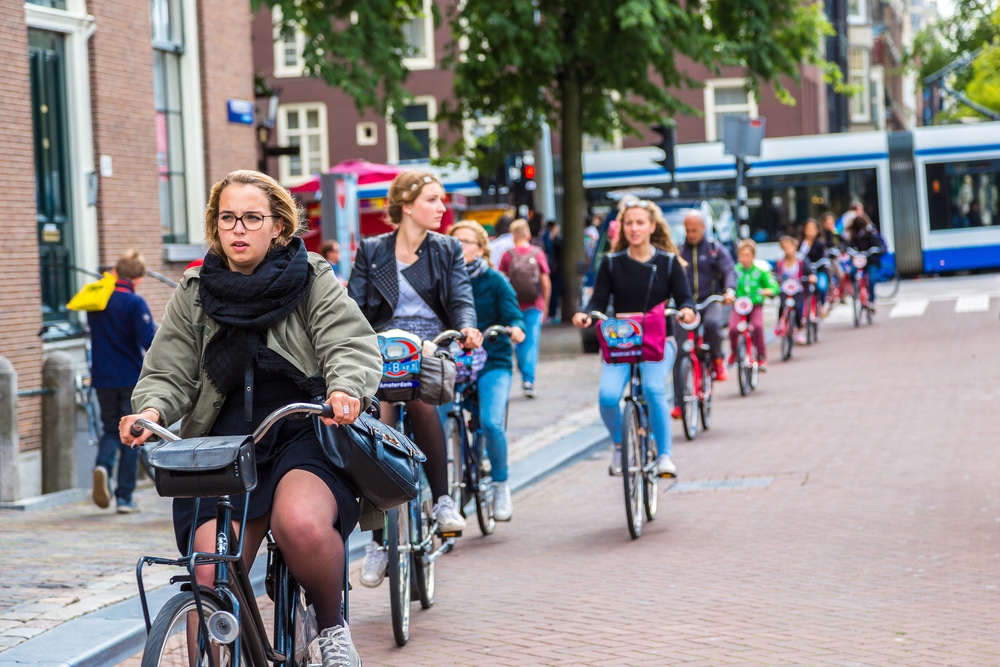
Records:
x=414, y=279
x=496, y=303
x=642, y=271
x=262, y=324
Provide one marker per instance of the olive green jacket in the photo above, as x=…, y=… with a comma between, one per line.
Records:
x=326, y=335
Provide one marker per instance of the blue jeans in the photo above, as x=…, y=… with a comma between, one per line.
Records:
x=494, y=390
x=655, y=375
x=115, y=404
x=527, y=351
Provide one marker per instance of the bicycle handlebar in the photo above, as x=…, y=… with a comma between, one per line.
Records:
x=821, y=263
x=708, y=302
x=495, y=331
x=321, y=409
x=448, y=336
x=874, y=250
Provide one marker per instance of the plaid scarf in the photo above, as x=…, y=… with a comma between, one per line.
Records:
x=246, y=307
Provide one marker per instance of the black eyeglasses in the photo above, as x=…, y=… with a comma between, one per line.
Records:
x=251, y=221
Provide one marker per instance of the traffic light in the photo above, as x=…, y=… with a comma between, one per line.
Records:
x=528, y=174
x=668, y=138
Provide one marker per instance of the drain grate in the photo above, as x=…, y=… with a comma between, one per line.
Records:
x=722, y=484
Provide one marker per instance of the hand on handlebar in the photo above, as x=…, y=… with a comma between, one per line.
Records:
x=132, y=435
x=687, y=316
x=517, y=335
x=728, y=298
x=581, y=321
x=346, y=409
x=473, y=338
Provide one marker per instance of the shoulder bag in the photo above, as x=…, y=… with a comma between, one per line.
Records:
x=203, y=467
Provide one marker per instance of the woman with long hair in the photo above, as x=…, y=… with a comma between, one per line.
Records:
x=414, y=279
x=642, y=271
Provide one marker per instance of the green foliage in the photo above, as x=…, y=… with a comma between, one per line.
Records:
x=984, y=86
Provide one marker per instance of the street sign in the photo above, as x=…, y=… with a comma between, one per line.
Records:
x=742, y=135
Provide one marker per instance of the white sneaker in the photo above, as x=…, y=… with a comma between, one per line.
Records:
x=101, y=491
x=447, y=516
x=373, y=567
x=337, y=649
x=502, y=507
x=665, y=467
x=615, y=468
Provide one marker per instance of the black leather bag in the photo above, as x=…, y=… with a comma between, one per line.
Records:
x=379, y=463
x=437, y=379
x=204, y=467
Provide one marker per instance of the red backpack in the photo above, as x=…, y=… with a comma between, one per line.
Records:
x=525, y=275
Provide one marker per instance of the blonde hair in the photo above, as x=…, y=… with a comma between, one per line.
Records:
x=660, y=237
x=747, y=244
x=283, y=206
x=131, y=265
x=482, y=238
x=519, y=229
x=405, y=189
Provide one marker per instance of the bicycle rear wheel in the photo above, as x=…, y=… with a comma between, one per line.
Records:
x=176, y=627
x=689, y=410
x=744, y=368
x=651, y=482
x=788, y=339
x=397, y=531
x=632, y=462
x=889, y=288
x=420, y=533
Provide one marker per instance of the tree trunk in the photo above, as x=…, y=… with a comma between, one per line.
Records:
x=574, y=203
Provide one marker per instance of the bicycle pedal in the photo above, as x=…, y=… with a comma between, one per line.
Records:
x=449, y=535
x=667, y=475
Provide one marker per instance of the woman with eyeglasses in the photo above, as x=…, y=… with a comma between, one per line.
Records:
x=260, y=324
x=642, y=271
x=496, y=303
x=414, y=279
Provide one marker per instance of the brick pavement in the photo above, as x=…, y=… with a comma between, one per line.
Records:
x=876, y=542
x=60, y=563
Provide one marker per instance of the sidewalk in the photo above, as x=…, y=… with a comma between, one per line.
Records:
x=67, y=572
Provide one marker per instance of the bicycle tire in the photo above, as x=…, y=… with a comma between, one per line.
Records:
x=632, y=477
x=788, y=338
x=482, y=480
x=423, y=571
x=398, y=538
x=857, y=303
x=650, y=480
x=455, y=462
x=167, y=642
x=743, y=366
x=689, y=410
x=892, y=286
x=705, y=403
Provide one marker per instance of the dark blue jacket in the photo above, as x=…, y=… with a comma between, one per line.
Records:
x=713, y=265
x=119, y=337
x=496, y=303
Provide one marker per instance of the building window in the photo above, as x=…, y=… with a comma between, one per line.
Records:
x=857, y=11
x=419, y=33
x=53, y=4
x=168, y=48
x=288, y=48
x=302, y=125
x=857, y=76
x=419, y=118
x=726, y=97
x=367, y=134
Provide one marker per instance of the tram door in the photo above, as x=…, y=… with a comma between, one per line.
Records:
x=52, y=178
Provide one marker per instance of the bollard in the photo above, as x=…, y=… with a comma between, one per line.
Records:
x=58, y=424
x=9, y=484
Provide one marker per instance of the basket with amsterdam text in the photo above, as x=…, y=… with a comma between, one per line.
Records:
x=409, y=371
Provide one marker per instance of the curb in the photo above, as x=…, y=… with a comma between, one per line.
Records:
x=108, y=636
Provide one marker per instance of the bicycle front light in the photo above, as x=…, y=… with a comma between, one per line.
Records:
x=223, y=627
x=687, y=345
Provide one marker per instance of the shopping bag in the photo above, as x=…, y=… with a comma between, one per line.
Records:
x=94, y=296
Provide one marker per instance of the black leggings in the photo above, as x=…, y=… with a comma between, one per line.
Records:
x=428, y=433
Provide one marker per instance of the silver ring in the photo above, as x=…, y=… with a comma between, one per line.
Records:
x=347, y=409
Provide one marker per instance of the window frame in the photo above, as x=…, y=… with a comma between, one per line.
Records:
x=712, y=110
x=428, y=59
x=285, y=176
x=392, y=137
x=280, y=69
x=861, y=77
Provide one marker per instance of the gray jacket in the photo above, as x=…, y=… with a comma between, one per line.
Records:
x=327, y=335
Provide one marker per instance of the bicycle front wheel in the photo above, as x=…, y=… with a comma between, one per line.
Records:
x=744, y=366
x=632, y=463
x=420, y=533
x=453, y=450
x=650, y=479
x=397, y=534
x=689, y=411
x=705, y=403
x=481, y=477
x=176, y=639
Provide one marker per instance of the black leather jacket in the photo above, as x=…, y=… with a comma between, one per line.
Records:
x=441, y=281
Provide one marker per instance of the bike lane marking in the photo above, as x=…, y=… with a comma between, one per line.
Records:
x=909, y=308
x=975, y=303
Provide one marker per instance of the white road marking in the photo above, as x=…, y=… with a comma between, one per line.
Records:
x=909, y=308
x=978, y=303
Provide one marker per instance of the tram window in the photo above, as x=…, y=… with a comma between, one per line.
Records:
x=963, y=195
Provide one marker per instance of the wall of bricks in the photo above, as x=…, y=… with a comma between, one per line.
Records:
x=20, y=297
x=226, y=73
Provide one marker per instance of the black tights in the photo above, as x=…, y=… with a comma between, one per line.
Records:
x=428, y=433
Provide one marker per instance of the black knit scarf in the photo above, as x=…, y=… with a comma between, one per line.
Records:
x=246, y=306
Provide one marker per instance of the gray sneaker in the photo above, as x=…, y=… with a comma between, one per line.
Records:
x=502, y=506
x=374, y=565
x=615, y=467
x=127, y=506
x=337, y=648
x=665, y=466
x=101, y=492
x=529, y=390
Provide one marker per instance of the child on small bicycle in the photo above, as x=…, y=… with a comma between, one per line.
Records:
x=791, y=267
x=755, y=283
x=643, y=255
x=496, y=303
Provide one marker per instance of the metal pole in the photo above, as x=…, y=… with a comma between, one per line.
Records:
x=742, y=210
x=544, y=177
x=9, y=482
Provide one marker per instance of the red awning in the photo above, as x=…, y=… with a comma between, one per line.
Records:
x=367, y=172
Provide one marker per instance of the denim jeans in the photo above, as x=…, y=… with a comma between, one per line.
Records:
x=527, y=351
x=115, y=404
x=494, y=390
x=655, y=375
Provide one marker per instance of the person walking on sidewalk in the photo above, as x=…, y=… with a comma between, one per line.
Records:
x=709, y=268
x=261, y=324
x=528, y=271
x=119, y=337
x=414, y=279
x=642, y=272
x=495, y=304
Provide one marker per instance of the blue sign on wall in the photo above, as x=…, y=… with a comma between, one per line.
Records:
x=240, y=111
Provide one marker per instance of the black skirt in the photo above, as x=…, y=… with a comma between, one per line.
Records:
x=289, y=445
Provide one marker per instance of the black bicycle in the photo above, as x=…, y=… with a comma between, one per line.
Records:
x=222, y=625
x=464, y=434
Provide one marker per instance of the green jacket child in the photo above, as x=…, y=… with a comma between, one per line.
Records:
x=753, y=281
